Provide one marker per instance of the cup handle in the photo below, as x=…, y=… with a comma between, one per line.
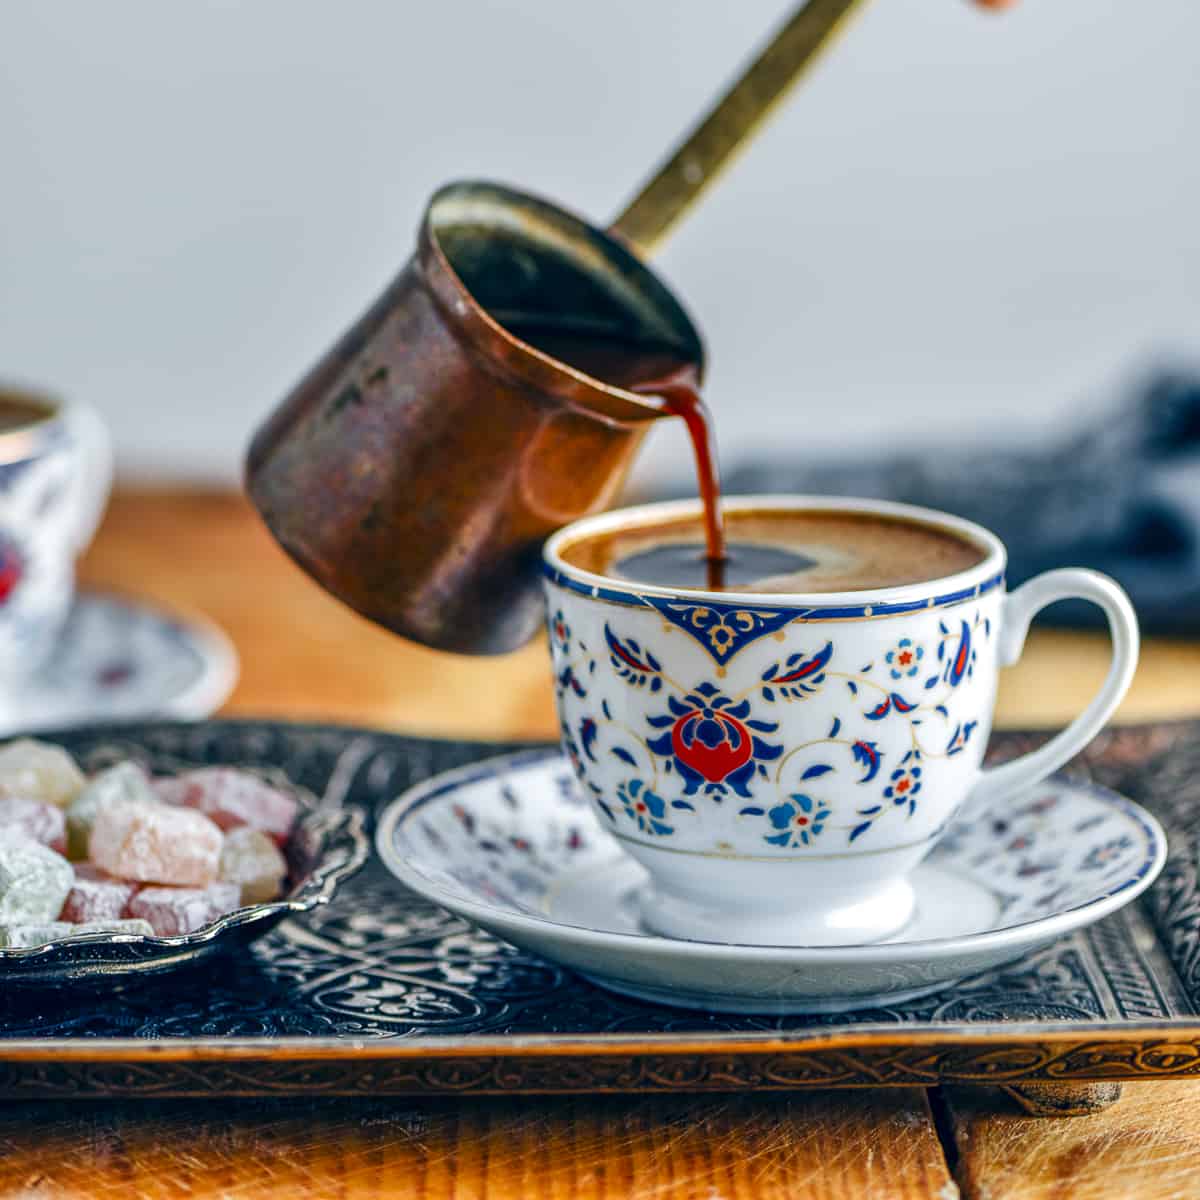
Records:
x=1020, y=607
x=94, y=480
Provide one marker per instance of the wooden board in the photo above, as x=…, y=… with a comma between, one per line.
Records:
x=1145, y=1147
x=751, y=1148
x=304, y=655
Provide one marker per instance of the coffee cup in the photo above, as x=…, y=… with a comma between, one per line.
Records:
x=780, y=760
x=55, y=475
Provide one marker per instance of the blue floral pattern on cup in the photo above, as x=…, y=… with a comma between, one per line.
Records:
x=705, y=745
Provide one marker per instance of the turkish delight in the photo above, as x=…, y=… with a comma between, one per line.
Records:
x=154, y=843
x=173, y=910
x=34, y=880
x=36, y=819
x=19, y=937
x=125, y=781
x=233, y=798
x=40, y=771
x=22, y=936
x=251, y=859
x=96, y=896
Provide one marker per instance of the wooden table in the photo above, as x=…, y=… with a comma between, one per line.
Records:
x=305, y=656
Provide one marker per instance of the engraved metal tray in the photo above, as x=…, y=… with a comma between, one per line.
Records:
x=382, y=993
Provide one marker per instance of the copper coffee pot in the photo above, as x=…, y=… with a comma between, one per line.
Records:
x=416, y=470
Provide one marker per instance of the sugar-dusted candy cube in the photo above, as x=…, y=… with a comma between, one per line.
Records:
x=20, y=936
x=125, y=781
x=40, y=771
x=34, y=881
x=233, y=798
x=172, y=910
x=95, y=896
x=115, y=925
x=17, y=937
x=252, y=860
x=154, y=843
x=171, y=789
x=35, y=819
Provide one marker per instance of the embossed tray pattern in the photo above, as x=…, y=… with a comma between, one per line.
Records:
x=382, y=992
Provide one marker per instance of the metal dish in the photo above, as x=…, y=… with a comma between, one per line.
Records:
x=328, y=845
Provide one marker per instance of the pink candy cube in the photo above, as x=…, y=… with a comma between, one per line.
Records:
x=232, y=798
x=153, y=843
x=36, y=819
x=96, y=896
x=172, y=910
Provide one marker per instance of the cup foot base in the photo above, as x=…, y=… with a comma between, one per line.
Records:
x=881, y=915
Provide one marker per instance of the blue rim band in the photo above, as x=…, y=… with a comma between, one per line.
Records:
x=821, y=612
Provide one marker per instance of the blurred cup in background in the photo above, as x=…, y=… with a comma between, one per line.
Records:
x=55, y=476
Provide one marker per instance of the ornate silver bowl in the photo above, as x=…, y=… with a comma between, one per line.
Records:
x=328, y=845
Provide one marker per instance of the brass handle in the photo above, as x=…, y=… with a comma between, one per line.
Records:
x=729, y=125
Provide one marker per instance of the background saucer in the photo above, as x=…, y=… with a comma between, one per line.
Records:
x=123, y=660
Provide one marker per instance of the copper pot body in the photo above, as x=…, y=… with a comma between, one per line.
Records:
x=417, y=469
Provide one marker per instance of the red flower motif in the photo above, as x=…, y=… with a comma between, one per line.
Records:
x=12, y=569
x=713, y=744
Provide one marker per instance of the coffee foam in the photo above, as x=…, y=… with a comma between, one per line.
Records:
x=847, y=551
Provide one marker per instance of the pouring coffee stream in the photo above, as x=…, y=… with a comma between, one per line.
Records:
x=673, y=383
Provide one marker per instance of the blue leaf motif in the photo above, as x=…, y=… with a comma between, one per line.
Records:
x=815, y=770
x=868, y=754
x=765, y=751
x=587, y=735
x=956, y=668
x=806, y=670
x=661, y=745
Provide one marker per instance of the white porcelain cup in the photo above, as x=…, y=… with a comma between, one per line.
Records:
x=55, y=475
x=779, y=763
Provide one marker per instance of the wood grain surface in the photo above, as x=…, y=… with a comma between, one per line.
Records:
x=871, y=1147
x=305, y=656
x=1145, y=1147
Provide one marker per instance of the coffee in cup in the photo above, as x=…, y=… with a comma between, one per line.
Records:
x=779, y=551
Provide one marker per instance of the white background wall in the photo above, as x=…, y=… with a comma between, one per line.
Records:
x=964, y=221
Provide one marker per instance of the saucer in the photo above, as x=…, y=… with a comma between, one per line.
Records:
x=123, y=660
x=512, y=845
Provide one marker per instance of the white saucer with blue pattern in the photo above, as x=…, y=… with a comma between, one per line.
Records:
x=120, y=660
x=511, y=845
